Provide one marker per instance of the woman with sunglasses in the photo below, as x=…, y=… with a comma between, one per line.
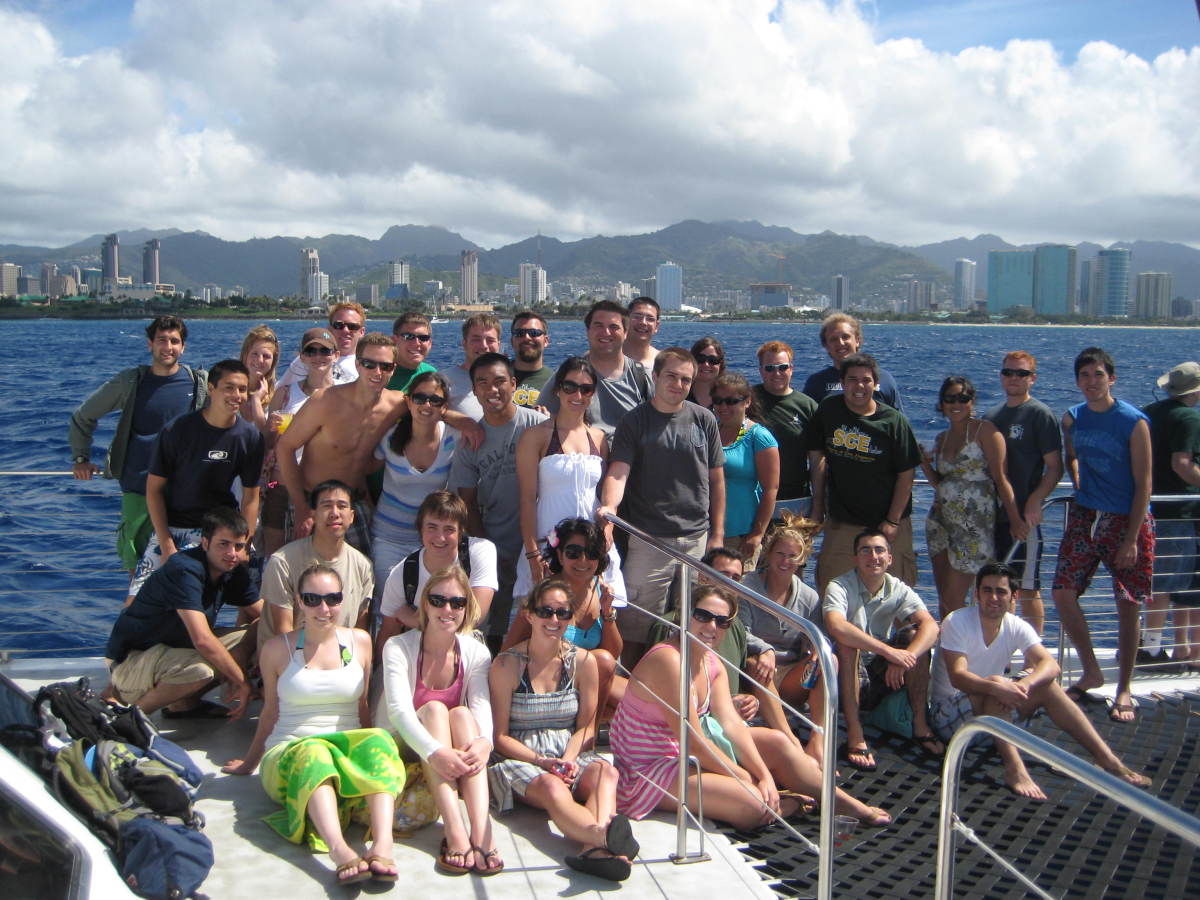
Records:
x=559, y=464
x=317, y=349
x=751, y=466
x=967, y=469
x=710, y=363
x=740, y=765
x=415, y=455
x=260, y=355
x=435, y=683
x=320, y=758
x=544, y=700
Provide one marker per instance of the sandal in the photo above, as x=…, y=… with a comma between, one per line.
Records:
x=205, y=709
x=488, y=870
x=865, y=754
x=445, y=866
x=383, y=862
x=359, y=874
x=619, y=839
x=610, y=868
x=1080, y=695
x=1118, y=711
x=924, y=740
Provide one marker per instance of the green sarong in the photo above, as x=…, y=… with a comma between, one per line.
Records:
x=134, y=529
x=359, y=762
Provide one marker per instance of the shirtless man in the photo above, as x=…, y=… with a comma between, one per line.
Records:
x=643, y=326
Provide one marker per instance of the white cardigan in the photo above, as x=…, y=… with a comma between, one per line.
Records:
x=400, y=673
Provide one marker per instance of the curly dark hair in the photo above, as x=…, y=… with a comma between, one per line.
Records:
x=593, y=543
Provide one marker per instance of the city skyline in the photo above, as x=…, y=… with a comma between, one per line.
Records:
x=1065, y=126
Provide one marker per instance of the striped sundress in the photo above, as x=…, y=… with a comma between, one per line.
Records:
x=646, y=750
x=542, y=722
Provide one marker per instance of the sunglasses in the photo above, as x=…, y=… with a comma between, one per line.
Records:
x=728, y=401
x=437, y=601
x=351, y=327
x=562, y=613
x=420, y=399
x=411, y=336
x=707, y=359
x=958, y=398
x=371, y=364
x=528, y=332
x=317, y=350
x=574, y=551
x=703, y=616
x=574, y=387
x=315, y=600
x=1016, y=373
x=776, y=367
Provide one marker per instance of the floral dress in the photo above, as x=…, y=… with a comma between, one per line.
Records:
x=962, y=520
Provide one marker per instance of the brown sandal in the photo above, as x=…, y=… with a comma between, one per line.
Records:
x=488, y=871
x=374, y=859
x=443, y=864
x=354, y=864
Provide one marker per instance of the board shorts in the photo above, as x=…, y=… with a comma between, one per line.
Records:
x=1092, y=537
x=134, y=529
x=152, y=560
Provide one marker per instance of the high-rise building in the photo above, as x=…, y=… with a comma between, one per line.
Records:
x=922, y=296
x=110, y=262
x=531, y=284
x=317, y=288
x=9, y=273
x=769, y=294
x=468, y=270
x=432, y=287
x=398, y=273
x=621, y=292
x=150, y=252
x=964, y=283
x=668, y=285
x=841, y=292
x=62, y=285
x=93, y=280
x=367, y=295
x=1084, y=306
x=46, y=284
x=310, y=264
x=649, y=287
x=1111, y=287
x=1010, y=279
x=1153, y=297
x=1054, y=279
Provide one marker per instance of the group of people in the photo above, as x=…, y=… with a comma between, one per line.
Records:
x=457, y=525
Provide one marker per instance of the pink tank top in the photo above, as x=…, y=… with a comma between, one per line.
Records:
x=449, y=696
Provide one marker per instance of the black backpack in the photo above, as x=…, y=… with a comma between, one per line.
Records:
x=411, y=573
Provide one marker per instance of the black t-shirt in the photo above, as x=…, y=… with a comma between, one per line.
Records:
x=182, y=583
x=785, y=417
x=863, y=456
x=1174, y=428
x=200, y=463
x=159, y=399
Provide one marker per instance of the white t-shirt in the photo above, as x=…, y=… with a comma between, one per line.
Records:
x=961, y=633
x=344, y=371
x=483, y=575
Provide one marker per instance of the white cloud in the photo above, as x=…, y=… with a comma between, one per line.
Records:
x=497, y=119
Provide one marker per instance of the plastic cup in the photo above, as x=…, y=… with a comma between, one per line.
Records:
x=843, y=827
x=285, y=419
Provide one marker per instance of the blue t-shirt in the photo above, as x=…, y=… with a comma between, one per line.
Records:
x=1101, y=442
x=742, y=488
x=829, y=381
x=200, y=463
x=159, y=399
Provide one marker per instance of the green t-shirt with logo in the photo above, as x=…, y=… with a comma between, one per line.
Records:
x=529, y=386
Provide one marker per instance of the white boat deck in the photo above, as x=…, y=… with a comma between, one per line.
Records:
x=253, y=861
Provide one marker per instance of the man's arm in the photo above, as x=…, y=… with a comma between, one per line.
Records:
x=927, y=632
x=901, y=494
x=1184, y=465
x=846, y=634
x=470, y=429
x=156, y=506
x=816, y=474
x=218, y=657
x=612, y=489
x=251, y=497
x=716, y=507
x=113, y=394
x=1009, y=693
x=1052, y=462
x=470, y=496
x=1139, y=462
x=303, y=428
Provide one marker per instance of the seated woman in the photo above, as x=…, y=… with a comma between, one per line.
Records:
x=436, y=690
x=442, y=524
x=576, y=554
x=316, y=759
x=543, y=705
x=738, y=762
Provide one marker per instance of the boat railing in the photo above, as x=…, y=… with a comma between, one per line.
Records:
x=1148, y=806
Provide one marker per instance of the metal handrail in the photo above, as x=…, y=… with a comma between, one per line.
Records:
x=824, y=652
x=1146, y=805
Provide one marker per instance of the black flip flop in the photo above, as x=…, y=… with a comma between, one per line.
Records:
x=1078, y=695
x=924, y=740
x=866, y=750
x=610, y=868
x=619, y=838
x=205, y=709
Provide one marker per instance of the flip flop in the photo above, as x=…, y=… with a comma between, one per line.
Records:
x=848, y=753
x=924, y=740
x=364, y=875
x=374, y=859
x=488, y=871
x=619, y=838
x=205, y=709
x=1080, y=695
x=610, y=868
x=443, y=864
x=1117, y=709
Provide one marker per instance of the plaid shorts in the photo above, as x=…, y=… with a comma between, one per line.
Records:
x=1092, y=537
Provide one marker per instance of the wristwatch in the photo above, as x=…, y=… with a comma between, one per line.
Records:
x=611, y=617
x=81, y=459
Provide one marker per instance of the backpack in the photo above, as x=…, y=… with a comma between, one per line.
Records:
x=411, y=573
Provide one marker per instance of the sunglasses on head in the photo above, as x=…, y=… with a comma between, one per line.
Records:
x=776, y=367
x=562, y=613
x=708, y=359
x=420, y=398
x=437, y=601
x=703, y=616
x=958, y=398
x=315, y=600
x=346, y=326
x=370, y=364
x=528, y=332
x=574, y=551
x=1016, y=373
x=727, y=401
x=318, y=350
x=574, y=387
x=413, y=336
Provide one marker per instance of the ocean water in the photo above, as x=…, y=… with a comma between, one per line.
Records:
x=60, y=582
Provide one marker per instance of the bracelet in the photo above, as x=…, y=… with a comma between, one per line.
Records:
x=611, y=617
x=530, y=554
x=890, y=522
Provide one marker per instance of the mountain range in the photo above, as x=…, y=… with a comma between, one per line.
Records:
x=714, y=256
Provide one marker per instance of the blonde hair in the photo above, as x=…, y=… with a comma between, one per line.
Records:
x=453, y=572
x=795, y=528
x=256, y=335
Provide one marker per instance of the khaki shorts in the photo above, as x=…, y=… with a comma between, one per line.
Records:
x=143, y=670
x=837, y=552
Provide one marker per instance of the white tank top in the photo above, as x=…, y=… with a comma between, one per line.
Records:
x=318, y=701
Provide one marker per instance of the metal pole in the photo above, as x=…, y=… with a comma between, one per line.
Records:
x=683, y=599
x=828, y=787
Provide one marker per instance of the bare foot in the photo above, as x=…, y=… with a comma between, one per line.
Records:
x=1087, y=682
x=1129, y=776
x=1024, y=786
x=876, y=817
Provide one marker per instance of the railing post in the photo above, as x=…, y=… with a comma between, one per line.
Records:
x=683, y=599
x=828, y=785
x=951, y=766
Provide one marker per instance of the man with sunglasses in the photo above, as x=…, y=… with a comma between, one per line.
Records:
x=332, y=503
x=529, y=339
x=785, y=412
x=414, y=341
x=1033, y=462
x=348, y=322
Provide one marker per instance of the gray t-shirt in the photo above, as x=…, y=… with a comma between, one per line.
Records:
x=1030, y=432
x=613, y=398
x=462, y=398
x=874, y=614
x=785, y=639
x=669, y=457
x=492, y=470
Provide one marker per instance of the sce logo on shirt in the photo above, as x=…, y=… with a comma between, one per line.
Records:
x=852, y=439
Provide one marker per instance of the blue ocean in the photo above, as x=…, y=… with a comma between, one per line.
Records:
x=60, y=582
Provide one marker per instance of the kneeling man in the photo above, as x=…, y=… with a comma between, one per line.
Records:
x=164, y=647
x=968, y=679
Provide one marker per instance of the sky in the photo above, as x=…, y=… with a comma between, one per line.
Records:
x=908, y=121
